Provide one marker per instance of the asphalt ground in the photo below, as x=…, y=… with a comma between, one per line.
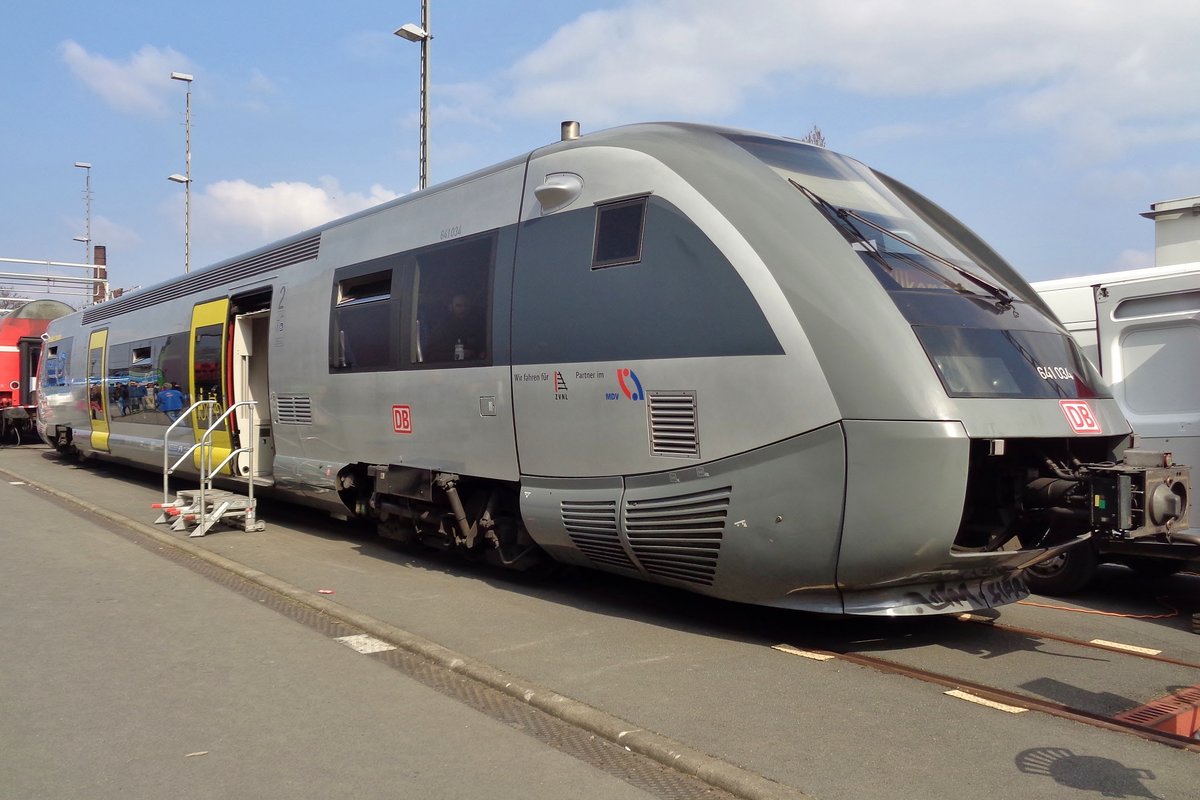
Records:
x=677, y=668
x=124, y=675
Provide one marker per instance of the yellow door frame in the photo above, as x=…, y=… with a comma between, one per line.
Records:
x=214, y=312
x=98, y=340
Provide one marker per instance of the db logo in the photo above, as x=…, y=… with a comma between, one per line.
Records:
x=1079, y=415
x=401, y=419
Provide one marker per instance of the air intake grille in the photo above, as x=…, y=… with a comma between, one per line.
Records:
x=673, y=426
x=283, y=256
x=679, y=537
x=592, y=526
x=292, y=409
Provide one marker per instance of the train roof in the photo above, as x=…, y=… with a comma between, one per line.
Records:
x=35, y=310
x=649, y=137
x=301, y=246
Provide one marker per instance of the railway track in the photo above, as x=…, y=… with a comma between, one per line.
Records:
x=1094, y=644
x=1020, y=700
x=1172, y=718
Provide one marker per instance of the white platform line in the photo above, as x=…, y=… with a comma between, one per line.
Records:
x=362, y=643
x=971, y=698
x=1146, y=651
x=787, y=648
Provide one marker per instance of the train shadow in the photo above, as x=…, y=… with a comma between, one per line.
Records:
x=1119, y=591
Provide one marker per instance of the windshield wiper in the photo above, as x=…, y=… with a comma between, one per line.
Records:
x=1003, y=298
x=843, y=216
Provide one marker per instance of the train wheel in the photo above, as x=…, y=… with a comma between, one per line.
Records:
x=1066, y=573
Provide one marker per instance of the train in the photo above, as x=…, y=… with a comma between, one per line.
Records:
x=720, y=360
x=21, y=330
x=1136, y=326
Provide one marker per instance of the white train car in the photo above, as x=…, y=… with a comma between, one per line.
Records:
x=1141, y=328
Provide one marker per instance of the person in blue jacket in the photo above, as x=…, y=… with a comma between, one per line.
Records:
x=170, y=401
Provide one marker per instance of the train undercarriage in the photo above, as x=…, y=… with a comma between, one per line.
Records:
x=1036, y=493
x=477, y=518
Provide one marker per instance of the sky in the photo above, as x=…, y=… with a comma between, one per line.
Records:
x=1047, y=126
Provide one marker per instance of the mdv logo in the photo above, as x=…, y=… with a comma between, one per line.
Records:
x=627, y=376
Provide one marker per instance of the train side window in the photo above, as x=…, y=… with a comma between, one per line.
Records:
x=362, y=329
x=619, y=229
x=58, y=362
x=118, y=380
x=452, y=304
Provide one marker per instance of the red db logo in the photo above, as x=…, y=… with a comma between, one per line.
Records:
x=1079, y=416
x=401, y=419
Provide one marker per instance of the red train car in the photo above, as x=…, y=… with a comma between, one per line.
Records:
x=20, y=346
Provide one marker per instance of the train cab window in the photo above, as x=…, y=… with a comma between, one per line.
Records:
x=363, y=330
x=619, y=229
x=452, y=303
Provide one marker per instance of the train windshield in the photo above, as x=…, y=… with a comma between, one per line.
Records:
x=965, y=315
x=896, y=243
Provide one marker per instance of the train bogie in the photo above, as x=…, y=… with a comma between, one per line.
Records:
x=730, y=363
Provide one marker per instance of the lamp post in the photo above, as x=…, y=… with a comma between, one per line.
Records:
x=420, y=33
x=186, y=177
x=87, y=210
x=86, y=241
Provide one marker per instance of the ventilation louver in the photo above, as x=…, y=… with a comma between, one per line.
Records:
x=679, y=537
x=291, y=409
x=282, y=256
x=673, y=425
x=592, y=526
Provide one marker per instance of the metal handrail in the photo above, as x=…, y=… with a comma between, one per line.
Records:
x=167, y=446
x=206, y=449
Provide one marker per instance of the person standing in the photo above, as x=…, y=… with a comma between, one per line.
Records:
x=170, y=401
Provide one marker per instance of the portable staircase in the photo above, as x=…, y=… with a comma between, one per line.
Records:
x=200, y=509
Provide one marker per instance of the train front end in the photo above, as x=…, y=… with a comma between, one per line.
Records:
x=981, y=447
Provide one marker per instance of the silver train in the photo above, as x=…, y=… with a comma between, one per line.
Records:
x=718, y=360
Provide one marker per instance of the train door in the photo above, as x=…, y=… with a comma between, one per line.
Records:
x=30, y=348
x=251, y=340
x=97, y=371
x=207, y=357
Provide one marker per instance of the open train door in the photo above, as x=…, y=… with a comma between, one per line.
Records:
x=97, y=372
x=207, y=357
x=251, y=343
x=1149, y=332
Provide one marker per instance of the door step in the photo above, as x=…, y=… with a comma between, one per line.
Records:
x=200, y=509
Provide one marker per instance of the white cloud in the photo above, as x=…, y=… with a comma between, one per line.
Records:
x=1102, y=74
x=234, y=207
x=138, y=85
x=1133, y=259
x=259, y=83
x=110, y=234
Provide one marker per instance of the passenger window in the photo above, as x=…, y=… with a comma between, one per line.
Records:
x=365, y=289
x=118, y=380
x=619, y=228
x=452, y=303
x=58, y=359
x=362, y=322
